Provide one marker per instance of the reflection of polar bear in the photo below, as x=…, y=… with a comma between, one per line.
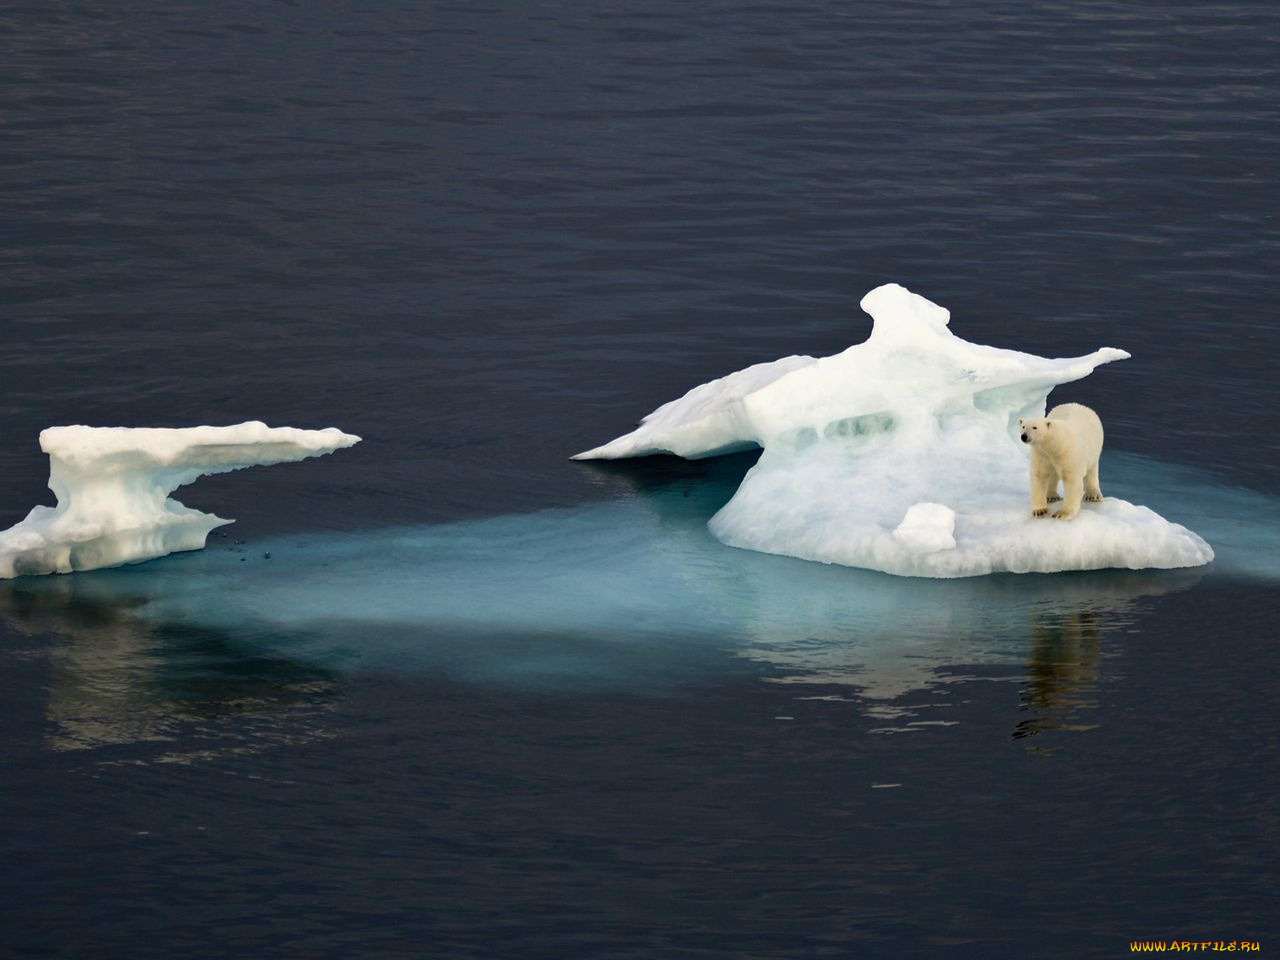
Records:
x=1065, y=445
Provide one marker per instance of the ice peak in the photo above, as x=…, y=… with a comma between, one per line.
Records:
x=899, y=314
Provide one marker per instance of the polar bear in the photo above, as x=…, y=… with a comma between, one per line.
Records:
x=1065, y=445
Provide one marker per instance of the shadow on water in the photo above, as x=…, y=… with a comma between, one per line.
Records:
x=630, y=595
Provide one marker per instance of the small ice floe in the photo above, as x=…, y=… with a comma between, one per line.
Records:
x=113, y=486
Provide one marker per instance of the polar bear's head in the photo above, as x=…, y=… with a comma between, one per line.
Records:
x=1035, y=430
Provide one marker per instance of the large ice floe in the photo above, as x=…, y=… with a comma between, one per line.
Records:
x=113, y=486
x=900, y=454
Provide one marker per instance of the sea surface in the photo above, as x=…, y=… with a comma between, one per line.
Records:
x=449, y=694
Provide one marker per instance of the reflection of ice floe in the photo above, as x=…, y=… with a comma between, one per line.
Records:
x=113, y=486
x=914, y=417
x=116, y=678
x=942, y=634
x=630, y=594
x=1063, y=668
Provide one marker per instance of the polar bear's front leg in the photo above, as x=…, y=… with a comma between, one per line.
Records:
x=1073, y=492
x=1051, y=488
x=1044, y=478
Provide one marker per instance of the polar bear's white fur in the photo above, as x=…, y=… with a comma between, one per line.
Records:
x=1065, y=446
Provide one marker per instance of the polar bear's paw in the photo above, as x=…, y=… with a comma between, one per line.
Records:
x=1040, y=513
x=1093, y=499
x=1053, y=498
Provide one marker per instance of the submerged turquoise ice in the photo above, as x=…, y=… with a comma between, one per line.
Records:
x=631, y=592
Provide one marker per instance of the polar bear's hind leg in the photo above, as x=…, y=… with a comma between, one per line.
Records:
x=1092, y=492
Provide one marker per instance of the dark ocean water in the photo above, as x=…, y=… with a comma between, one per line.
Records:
x=486, y=237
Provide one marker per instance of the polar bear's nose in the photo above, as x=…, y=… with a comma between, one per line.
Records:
x=1025, y=438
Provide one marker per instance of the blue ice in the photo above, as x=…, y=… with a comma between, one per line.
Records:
x=634, y=592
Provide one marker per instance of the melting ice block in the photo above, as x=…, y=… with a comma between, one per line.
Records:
x=900, y=454
x=927, y=528
x=113, y=486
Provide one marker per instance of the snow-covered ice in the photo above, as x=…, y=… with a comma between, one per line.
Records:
x=900, y=454
x=113, y=486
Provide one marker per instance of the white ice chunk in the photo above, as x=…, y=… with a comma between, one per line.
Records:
x=927, y=528
x=913, y=415
x=112, y=485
